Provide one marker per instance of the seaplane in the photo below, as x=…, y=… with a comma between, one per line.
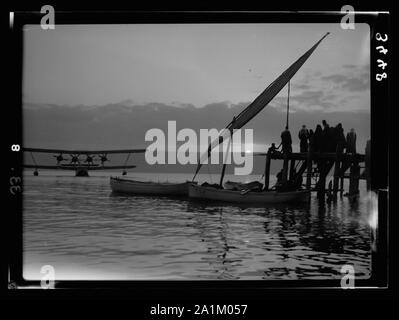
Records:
x=93, y=160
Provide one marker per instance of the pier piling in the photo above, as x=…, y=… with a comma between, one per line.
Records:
x=337, y=169
x=354, y=178
x=292, y=168
x=342, y=162
x=267, y=170
x=309, y=169
x=285, y=168
x=321, y=183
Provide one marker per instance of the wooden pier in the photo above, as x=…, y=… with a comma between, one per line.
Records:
x=315, y=170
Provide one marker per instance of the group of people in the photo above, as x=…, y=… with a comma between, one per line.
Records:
x=323, y=139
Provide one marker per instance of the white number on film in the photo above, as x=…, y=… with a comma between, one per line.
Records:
x=379, y=38
x=348, y=20
x=15, y=147
x=382, y=49
x=381, y=76
x=381, y=63
x=47, y=21
x=14, y=182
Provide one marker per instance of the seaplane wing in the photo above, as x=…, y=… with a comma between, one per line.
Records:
x=91, y=152
x=73, y=167
x=110, y=167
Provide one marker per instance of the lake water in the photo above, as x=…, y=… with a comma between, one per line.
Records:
x=77, y=226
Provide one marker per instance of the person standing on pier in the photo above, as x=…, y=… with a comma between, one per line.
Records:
x=326, y=137
x=318, y=139
x=311, y=140
x=286, y=141
x=333, y=139
x=351, y=141
x=303, y=136
x=340, y=138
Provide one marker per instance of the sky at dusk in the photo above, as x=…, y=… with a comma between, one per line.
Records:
x=105, y=85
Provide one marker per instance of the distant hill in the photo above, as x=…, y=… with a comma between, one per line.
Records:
x=123, y=125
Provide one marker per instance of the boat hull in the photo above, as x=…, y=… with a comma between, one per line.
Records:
x=266, y=197
x=127, y=186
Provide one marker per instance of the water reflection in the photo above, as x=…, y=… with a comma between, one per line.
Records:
x=316, y=234
x=77, y=224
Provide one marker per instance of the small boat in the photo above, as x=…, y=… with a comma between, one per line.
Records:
x=239, y=186
x=287, y=191
x=246, y=196
x=128, y=186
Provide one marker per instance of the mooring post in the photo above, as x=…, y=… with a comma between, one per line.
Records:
x=292, y=168
x=309, y=171
x=336, y=173
x=285, y=168
x=341, y=183
x=267, y=170
x=321, y=184
x=354, y=177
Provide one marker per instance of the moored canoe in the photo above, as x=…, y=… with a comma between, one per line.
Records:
x=128, y=186
x=246, y=197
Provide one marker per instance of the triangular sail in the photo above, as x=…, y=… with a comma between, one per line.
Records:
x=259, y=103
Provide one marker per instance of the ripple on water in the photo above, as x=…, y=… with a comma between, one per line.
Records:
x=84, y=231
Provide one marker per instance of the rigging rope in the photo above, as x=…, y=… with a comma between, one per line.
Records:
x=127, y=159
x=209, y=173
x=288, y=103
x=33, y=158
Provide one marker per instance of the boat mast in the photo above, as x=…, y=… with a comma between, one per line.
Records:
x=288, y=103
x=260, y=102
x=225, y=162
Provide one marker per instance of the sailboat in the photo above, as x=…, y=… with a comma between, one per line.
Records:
x=242, y=194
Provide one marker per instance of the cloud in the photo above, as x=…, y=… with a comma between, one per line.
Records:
x=117, y=125
x=349, y=66
x=315, y=99
x=337, y=78
x=344, y=89
x=352, y=79
x=301, y=86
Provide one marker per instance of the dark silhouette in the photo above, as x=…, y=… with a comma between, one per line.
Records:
x=330, y=194
x=75, y=159
x=279, y=176
x=89, y=160
x=340, y=138
x=311, y=140
x=303, y=136
x=103, y=158
x=273, y=149
x=59, y=159
x=296, y=181
x=351, y=141
x=286, y=141
x=279, y=181
x=333, y=140
x=318, y=139
x=326, y=137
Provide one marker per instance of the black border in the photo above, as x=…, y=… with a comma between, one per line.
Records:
x=380, y=105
